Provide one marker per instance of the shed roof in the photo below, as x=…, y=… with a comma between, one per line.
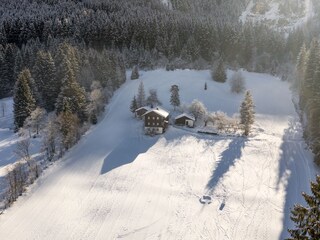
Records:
x=185, y=115
x=145, y=107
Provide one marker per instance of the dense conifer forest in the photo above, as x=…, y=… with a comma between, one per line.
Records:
x=78, y=43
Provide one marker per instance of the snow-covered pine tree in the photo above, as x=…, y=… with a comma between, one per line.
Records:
x=174, y=98
x=44, y=73
x=205, y=86
x=307, y=219
x=152, y=99
x=72, y=93
x=69, y=125
x=301, y=67
x=141, y=96
x=23, y=101
x=135, y=73
x=219, y=74
x=8, y=70
x=134, y=104
x=247, y=113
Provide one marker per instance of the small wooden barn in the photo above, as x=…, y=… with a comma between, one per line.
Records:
x=185, y=120
x=140, y=111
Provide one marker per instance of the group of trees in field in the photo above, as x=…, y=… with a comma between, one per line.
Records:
x=56, y=96
x=140, y=100
x=221, y=121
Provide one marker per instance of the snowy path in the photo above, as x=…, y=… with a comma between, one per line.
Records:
x=118, y=184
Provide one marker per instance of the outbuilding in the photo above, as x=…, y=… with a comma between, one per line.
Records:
x=185, y=120
x=140, y=111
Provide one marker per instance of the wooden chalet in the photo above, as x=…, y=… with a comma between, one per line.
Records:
x=185, y=120
x=156, y=121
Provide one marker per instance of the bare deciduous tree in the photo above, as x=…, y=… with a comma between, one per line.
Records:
x=23, y=149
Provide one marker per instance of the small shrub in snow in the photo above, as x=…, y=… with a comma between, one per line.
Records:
x=237, y=82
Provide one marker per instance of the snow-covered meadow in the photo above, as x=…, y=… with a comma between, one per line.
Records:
x=117, y=183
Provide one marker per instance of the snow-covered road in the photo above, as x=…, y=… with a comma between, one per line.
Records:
x=119, y=184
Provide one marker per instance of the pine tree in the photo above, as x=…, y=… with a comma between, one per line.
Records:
x=3, y=92
x=307, y=219
x=205, y=86
x=141, y=96
x=44, y=73
x=69, y=125
x=174, y=98
x=134, y=104
x=247, y=113
x=72, y=93
x=135, y=73
x=23, y=101
x=8, y=70
x=301, y=66
x=219, y=74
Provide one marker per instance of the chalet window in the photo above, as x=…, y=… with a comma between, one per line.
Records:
x=158, y=118
x=153, y=118
x=148, y=123
x=157, y=124
x=148, y=117
x=153, y=124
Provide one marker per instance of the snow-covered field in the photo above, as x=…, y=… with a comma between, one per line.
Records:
x=119, y=184
x=9, y=139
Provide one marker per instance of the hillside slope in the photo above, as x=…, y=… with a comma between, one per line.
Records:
x=119, y=184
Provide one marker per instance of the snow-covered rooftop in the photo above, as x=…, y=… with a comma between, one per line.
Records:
x=145, y=107
x=159, y=111
x=185, y=115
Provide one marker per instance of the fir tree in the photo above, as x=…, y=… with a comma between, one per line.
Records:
x=247, y=113
x=219, y=74
x=205, y=86
x=69, y=125
x=134, y=104
x=44, y=74
x=23, y=101
x=301, y=67
x=72, y=93
x=141, y=96
x=174, y=98
x=135, y=73
x=307, y=219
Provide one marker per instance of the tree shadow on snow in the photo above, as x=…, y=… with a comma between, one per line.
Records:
x=228, y=159
x=126, y=152
x=293, y=173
